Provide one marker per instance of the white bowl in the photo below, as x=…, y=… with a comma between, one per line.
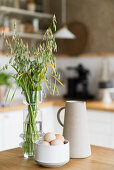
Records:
x=53, y=155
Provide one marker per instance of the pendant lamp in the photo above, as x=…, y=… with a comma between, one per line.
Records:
x=64, y=32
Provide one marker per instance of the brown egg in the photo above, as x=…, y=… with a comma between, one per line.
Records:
x=49, y=137
x=57, y=142
x=59, y=136
x=44, y=143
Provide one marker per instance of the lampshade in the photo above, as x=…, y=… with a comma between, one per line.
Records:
x=64, y=33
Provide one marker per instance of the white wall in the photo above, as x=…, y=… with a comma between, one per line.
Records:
x=94, y=64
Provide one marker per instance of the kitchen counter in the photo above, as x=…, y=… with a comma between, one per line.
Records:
x=101, y=159
x=91, y=105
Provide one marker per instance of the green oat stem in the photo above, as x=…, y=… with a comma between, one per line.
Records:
x=30, y=74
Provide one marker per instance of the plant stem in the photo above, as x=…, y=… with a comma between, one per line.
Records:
x=30, y=128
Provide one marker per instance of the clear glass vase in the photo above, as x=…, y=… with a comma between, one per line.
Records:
x=32, y=123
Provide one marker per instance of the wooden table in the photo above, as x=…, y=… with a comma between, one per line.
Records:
x=101, y=159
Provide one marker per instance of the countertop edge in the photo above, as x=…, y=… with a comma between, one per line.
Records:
x=91, y=105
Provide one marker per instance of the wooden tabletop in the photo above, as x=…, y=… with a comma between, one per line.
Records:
x=93, y=105
x=101, y=159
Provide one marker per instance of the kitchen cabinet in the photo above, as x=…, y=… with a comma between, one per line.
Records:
x=112, y=124
x=101, y=126
x=1, y=133
x=11, y=125
x=50, y=123
x=48, y=119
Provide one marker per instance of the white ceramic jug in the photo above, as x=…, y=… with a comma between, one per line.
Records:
x=76, y=128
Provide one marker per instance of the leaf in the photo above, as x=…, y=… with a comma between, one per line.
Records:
x=10, y=60
x=3, y=34
x=8, y=91
x=58, y=80
x=14, y=68
x=13, y=96
x=42, y=75
x=54, y=87
x=21, y=74
x=51, y=66
x=31, y=80
x=47, y=86
x=2, y=69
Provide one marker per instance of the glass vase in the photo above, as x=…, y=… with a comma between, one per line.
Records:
x=32, y=123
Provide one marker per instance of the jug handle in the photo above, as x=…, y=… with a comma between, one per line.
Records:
x=58, y=116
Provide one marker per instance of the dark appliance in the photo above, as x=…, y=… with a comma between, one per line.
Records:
x=77, y=86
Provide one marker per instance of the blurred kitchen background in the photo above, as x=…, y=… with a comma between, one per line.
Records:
x=92, y=24
x=85, y=59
